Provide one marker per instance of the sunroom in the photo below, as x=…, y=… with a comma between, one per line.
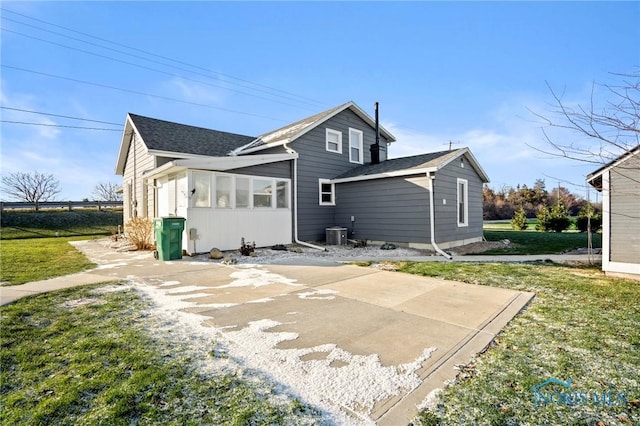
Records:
x=221, y=208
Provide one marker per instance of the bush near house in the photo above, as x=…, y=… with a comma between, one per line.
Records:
x=140, y=232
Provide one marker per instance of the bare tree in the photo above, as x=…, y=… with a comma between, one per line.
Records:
x=31, y=187
x=606, y=131
x=107, y=191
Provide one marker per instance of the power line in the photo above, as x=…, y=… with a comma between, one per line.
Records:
x=144, y=67
x=169, y=59
x=209, y=75
x=58, y=125
x=136, y=92
x=58, y=115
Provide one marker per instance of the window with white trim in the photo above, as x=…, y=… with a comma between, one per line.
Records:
x=355, y=146
x=262, y=192
x=243, y=191
x=202, y=189
x=223, y=192
x=463, y=202
x=334, y=141
x=327, y=192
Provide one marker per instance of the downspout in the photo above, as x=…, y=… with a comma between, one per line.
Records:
x=432, y=219
x=295, y=202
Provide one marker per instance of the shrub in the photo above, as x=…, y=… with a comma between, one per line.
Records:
x=583, y=219
x=139, y=231
x=519, y=220
x=557, y=219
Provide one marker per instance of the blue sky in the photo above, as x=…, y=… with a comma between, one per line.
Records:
x=466, y=72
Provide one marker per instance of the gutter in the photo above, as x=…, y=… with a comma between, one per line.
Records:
x=295, y=202
x=432, y=221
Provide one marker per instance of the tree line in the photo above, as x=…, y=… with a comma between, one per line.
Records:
x=552, y=209
x=505, y=202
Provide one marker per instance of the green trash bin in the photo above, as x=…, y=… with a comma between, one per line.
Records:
x=168, y=231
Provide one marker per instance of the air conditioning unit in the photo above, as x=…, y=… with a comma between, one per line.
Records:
x=336, y=236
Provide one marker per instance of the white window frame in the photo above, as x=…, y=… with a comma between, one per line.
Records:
x=360, y=159
x=337, y=133
x=464, y=197
x=195, y=196
x=320, y=192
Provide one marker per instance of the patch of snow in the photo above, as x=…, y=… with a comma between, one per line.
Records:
x=186, y=289
x=263, y=300
x=318, y=294
x=111, y=265
x=170, y=283
x=430, y=402
x=255, y=277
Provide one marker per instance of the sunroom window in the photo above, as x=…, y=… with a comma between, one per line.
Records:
x=262, y=192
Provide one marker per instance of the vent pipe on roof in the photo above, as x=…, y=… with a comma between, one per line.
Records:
x=375, y=148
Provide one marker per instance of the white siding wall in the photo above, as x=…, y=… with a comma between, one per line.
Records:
x=138, y=197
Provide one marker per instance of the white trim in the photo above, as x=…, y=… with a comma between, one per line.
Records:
x=465, y=199
x=312, y=125
x=624, y=157
x=338, y=133
x=397, y=173
x=360, y=133
x=216, y=163
x=320, y=192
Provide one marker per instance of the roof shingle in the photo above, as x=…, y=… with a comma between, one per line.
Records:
x=432, y=159
x=160, y=135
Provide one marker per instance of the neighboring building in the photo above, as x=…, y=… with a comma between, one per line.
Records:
x=291, y=184
x=619, y=182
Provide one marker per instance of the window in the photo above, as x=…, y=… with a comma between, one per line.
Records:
x=262, y=192
x=242, y=192
x=327, y=193
x=334, y=141
x=463, y=202
x=223, y=192
x=282, y=194
x=355, y=146
x=202, y=187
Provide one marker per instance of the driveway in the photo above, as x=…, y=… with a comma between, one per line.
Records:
x=364, y=345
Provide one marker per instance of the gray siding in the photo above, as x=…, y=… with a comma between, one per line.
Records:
x=280, y=169
x=625, y=212
x=392, y=209
x=315, y=162
x=446, y=215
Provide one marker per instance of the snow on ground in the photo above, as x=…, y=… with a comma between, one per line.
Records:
x=337, y=384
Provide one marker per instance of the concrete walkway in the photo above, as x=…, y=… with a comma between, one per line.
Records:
x=322, y=315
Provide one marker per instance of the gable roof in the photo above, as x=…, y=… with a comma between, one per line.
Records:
x=415, y=164
x=595, y=178
x=295, y=130
x=178, y=140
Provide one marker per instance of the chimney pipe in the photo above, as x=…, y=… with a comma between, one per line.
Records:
x=375, y=148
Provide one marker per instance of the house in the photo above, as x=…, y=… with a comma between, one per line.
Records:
x=291, y=184
x=618, y=182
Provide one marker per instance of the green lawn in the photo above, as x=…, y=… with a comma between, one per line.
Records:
x=34, y=259
x=89, y=356
x=580, y=326
x=534, y=242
